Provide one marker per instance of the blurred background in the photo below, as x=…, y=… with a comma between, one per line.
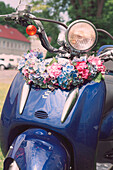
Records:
x=14, y=41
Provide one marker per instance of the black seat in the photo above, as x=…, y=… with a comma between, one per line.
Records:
x=108, y=80
x=109, y=93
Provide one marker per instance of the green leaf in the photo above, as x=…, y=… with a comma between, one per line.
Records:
x=44, y=86
x=54, y=60
x=98, y=78
x=103, y=77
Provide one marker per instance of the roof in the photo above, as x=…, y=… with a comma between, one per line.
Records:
x=12, y=33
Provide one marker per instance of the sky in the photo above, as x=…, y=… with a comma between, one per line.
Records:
x=13, y=3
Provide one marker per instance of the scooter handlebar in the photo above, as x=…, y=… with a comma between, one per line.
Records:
x=4, y=15
x=9, y=17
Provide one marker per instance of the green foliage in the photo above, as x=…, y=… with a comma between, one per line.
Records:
x=82, y=9
x=98, y=78
x=88, y=10
x=77, y=9
x=51, y=29
x=54, y=60
x=6, y=9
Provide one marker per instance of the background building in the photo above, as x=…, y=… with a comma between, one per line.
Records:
x=12, y=42
x=36, y=44
x=13, y=45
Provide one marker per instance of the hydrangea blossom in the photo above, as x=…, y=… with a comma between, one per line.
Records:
x=55, y=73
x=54, y=70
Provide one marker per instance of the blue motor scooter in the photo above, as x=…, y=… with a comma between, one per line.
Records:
x=58, y=113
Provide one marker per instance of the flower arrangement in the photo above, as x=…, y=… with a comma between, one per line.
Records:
x=59, y=72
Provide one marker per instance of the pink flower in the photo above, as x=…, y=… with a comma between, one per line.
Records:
x=102, y=69
x=97, y=61
x=94, y=60
x=82, y=69
x=25, y=72
x=84, y=73
x=81, y=65
x=29, y=82
x=32, y=64
x=54, y=70
x=44, y=81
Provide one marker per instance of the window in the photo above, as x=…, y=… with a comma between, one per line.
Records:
x=23, y=46
x=7, y=44
x=15, y=45
x=11, y=59
x=4, y=44
x=2, y=59
x=11, y=45
x=11, y=32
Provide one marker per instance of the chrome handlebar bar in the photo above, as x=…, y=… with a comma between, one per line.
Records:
x=108, y=55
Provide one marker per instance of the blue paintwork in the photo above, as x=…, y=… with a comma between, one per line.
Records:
x=81, y=128
x=36, y=149
x=102, y=48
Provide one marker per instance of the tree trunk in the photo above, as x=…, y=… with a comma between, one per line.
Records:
x=100, y=4
x=73, y=2
x=80, y=2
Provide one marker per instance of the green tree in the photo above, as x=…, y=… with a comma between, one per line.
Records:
x=99, y=12
x=6, y=9
x=51, y=29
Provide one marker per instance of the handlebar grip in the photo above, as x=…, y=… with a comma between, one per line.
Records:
x=4, y=15
x=7, y=17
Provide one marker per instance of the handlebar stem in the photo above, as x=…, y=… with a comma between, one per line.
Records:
x=43, y=37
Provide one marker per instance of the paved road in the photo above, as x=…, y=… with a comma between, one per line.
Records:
x=6, y=76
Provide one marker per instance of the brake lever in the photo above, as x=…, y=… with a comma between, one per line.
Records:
x=20, y=18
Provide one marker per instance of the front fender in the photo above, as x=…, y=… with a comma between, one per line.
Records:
x=38, y=149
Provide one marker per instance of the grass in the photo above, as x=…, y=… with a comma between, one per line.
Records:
x=3, y=91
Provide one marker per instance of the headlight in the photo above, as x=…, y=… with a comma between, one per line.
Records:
x=81, y=35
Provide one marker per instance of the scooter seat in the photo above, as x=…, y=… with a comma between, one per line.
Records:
x=109, y=94
x=108, y=80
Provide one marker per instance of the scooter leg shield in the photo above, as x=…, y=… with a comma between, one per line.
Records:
x=37, y=149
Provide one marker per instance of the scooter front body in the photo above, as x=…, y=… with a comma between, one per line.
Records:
x=37, y=149
x=44, y=108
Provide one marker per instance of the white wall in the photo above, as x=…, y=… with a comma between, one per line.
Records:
x=36, y=45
